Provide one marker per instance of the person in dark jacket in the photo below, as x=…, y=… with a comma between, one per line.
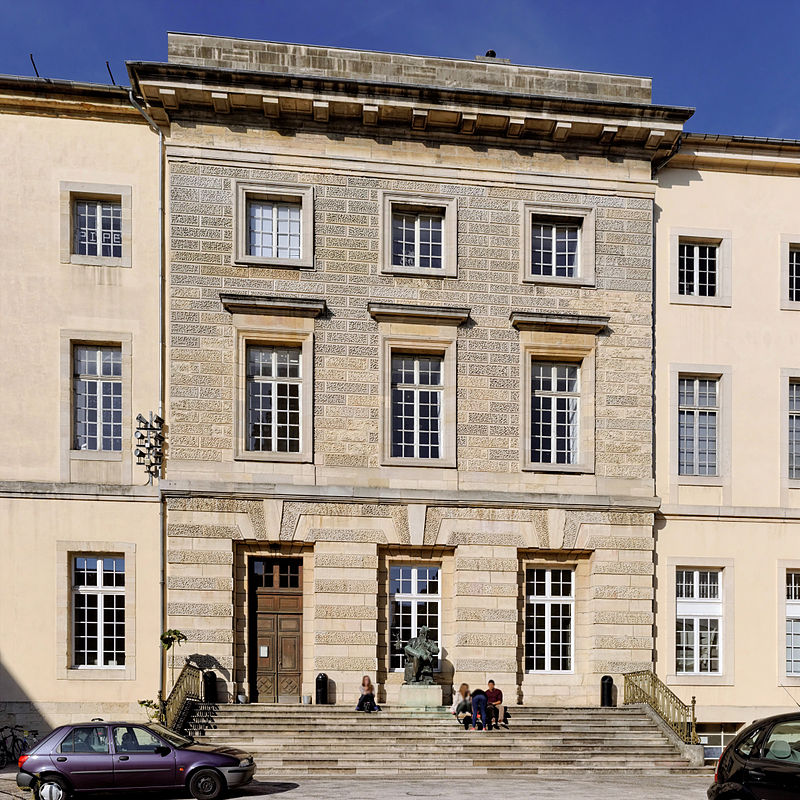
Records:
x=478, y=710
x=495, y=708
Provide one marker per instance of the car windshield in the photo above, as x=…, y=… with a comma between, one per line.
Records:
x=175, y=739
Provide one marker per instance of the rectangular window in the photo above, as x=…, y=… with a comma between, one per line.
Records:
x=97, y=228
x=417, y=387
x=794, y=429
x=417, y=239
x=273, y=414
x=549, y=614
x=792, y=622
x=554, y=248
x=697, y=269
x=98, y=611
x=274, y=229
x=698, y=413
x=794, y=274
x=555, y=413
x=698, y=622
x=97, y=397
x=415, y=601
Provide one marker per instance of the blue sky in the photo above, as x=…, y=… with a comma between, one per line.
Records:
x=735, y=61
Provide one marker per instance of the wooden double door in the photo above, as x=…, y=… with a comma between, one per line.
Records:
x=276, y=630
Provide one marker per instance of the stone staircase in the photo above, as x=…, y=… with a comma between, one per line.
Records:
x=296, y=740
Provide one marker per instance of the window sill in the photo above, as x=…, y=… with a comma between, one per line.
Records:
x=274, y=458
x=96, y=455
x=411, y=272
x=571, y=469
x=100, y=261
x=445, y=463
x=548, y=280
x=790, y=305
x=699, y=679
x=792, y=483
x=281, y=263
x=126, y=673
x=693, y=300
x=700, y=480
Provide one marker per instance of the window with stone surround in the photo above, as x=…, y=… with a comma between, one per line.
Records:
x=274, y=225
x=414, y=602
x=98, y=611
x=558, y=244
x=95, y=224
x=698, y=412
x=549, y=619
x=793, y=622
x=700, y=266
x=697, y=269
x=97, y=397
x=274, y=399
x=417, y=392
x=555, y=413
x=698, y=621
x=793, y=429
x=419, y=234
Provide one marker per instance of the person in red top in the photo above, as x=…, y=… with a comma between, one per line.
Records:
x=496, y=709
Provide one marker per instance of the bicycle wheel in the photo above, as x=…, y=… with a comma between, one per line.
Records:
x=17, y=748
x=3, y=756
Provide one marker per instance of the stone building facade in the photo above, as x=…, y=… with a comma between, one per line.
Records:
x=317, y=551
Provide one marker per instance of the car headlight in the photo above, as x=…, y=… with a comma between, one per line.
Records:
x=246, y=762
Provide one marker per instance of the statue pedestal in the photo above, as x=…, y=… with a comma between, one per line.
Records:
x=416, y=695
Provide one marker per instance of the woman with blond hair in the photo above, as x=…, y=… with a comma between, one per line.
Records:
x=462, y=704
x=367, y=700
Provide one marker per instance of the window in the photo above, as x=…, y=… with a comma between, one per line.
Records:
x=794, y=274
x=554, y=248
x=274, y=383
x=419, y=235
x=697, y=269
x=794, y=429
x=98, y=228
x=273, y=229
x=274, y=225
x=792, y=622
x=417, y=391
x=97, y=397
x=558, y=244
x=86, y=740
x=414, y=602
x=783, y=744
x=698, y=409
x=549, y=613
x=698, y=621
x=133, y=739
x=98, y=611
x=555, y=413
x=275, y=573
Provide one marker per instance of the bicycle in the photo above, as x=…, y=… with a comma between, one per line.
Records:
x=14, y=741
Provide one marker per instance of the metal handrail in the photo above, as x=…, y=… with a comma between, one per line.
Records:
x=186, y=691
x=646, y=687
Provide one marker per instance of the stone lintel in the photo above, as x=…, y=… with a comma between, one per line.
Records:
x=263, y=304
x=400, y=312
x=576, y=323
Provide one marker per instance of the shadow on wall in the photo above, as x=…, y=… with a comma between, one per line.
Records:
x=16, y=708
x=224, y=678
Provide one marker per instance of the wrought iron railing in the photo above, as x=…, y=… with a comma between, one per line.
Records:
x=646, y=687
x=186, y=691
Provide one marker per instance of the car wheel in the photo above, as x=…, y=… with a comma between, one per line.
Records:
x=52, y=787
x=206, y=784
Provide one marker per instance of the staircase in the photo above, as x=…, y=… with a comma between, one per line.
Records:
x=296, y=740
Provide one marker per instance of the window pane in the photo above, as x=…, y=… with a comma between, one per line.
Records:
x=97, y=403
x=555, y=413
x=97, y=228
x=416, y=406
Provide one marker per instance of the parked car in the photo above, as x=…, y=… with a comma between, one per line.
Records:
x=106, y=756
x=761, y=763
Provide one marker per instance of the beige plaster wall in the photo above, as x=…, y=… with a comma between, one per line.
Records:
x=43, y=297
x=35, y=687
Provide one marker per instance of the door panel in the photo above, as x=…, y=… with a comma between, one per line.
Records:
x=84, y=757
x=137, y=765
x=289, y=666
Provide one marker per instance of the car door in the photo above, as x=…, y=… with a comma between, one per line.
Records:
x=84, y=758
x=773, y=772
x=141, y=759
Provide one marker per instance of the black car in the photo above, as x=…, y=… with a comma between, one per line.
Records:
x=761, y=763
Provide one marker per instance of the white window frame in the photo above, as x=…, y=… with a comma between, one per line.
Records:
x=695, y=410
x=789, y=247
x=792, y=616
x=692, y=249
x=420, y=204
x=575, y=438
x=792, y=418
x=99, y=380
x=720, y=239
x=275, y=381
x=549, y=600
x=583, y=217
x=101, y=592
x=277, y=194
x=699, y=609
x=414, y=597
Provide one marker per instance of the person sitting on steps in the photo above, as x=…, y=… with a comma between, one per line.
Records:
x=496, y=711
x=367, y=700
x=462, y=704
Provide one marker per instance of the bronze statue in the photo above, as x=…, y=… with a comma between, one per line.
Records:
x=420, y=653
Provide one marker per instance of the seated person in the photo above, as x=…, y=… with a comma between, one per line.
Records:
x=367, y=700
x=462, y=705
x=496, y=711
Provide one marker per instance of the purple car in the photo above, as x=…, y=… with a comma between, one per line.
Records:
x=105, y=756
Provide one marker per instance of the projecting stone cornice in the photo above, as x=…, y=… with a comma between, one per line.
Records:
x=262, y=304
x=342, y=102
x=398, y=312
x=574, y=323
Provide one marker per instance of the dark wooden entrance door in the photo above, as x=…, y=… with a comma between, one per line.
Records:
x=276, y=630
